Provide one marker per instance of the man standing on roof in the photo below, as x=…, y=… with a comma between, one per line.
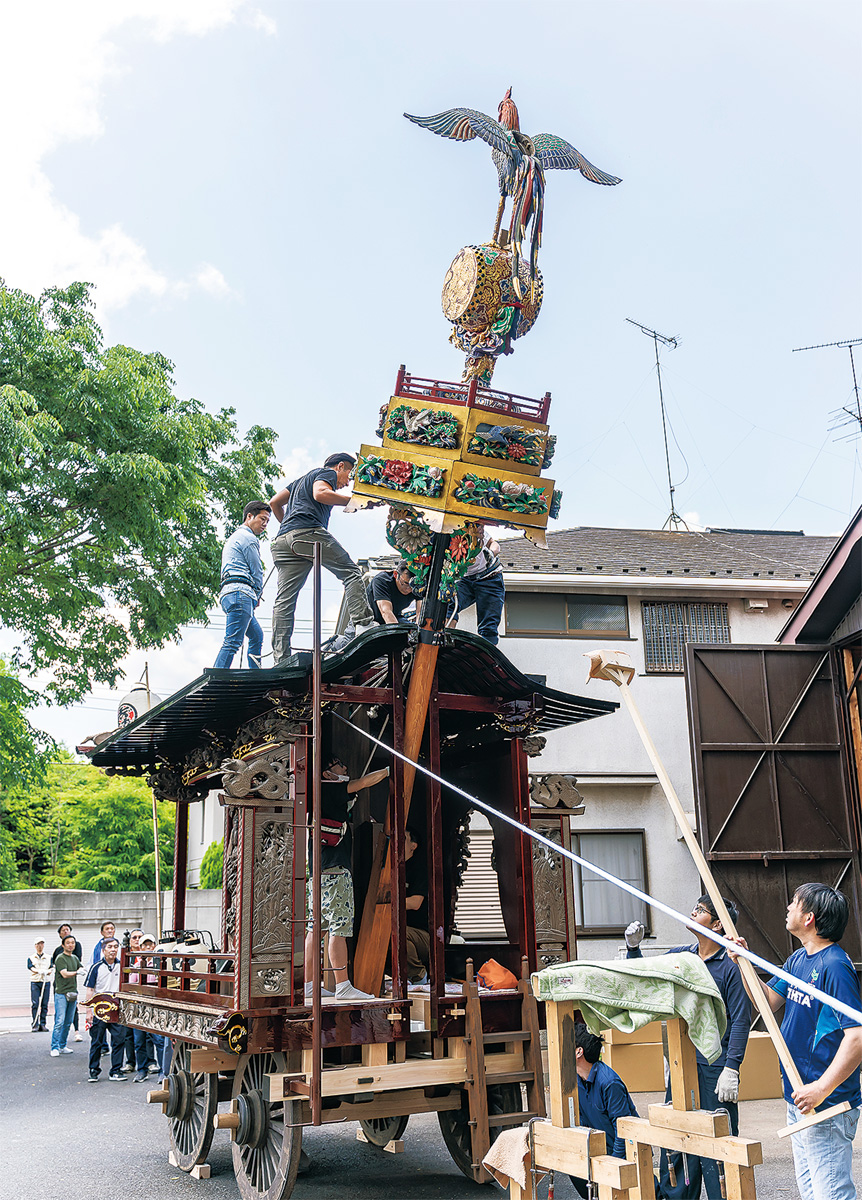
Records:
x=826, y=1045
x=483, y=586
x=718, y=1083
x=241, y=586
x=304, y=509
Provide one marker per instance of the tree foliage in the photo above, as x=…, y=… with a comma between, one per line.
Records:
x=212, y=865
x=115, y=495
x=85, y=829
x=25, y=752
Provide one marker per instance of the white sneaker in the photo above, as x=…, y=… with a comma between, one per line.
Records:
x=323, y=991
x=55, y=1053
x=364, y=627
x=346, y=991
x=78, y=1037
x=66, y=1050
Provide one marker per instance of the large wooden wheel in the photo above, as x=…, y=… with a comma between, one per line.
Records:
x=380, y=1131
x=191, y=1104
x=454, y=1123
x=266, y=1147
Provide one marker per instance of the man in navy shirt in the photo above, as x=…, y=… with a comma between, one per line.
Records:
x=304, y=509
x=825, y=1044
x=718, y=1083
x=602, y=1097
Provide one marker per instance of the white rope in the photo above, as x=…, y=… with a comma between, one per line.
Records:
x=742, y=951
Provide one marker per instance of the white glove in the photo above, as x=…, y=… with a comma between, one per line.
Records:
x=728, y=1086
x=634, y=934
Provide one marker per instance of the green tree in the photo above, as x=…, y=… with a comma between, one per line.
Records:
x=115, y=495
x=212, y=864
x=25, y=752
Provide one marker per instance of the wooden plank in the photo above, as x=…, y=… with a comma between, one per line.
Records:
x=562, y=1074
x=418, y=1073
x=684, y=1089
x=641, y=1156
x=477, y=1092
x=814, y=1119
x=711, y=1124
x=200, y=1171
x=742, y=1151
x=569, y=1150
x=533, y=1047
x=375, y=1054
x=394, y=1147
x=395, y=1104
x=610, y=1172
x=739, y=1182
x=208, y=1062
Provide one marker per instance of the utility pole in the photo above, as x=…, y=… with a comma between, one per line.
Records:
x=674, y=521
x=847, y=414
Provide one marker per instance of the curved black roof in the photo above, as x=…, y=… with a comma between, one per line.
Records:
x=216, y=703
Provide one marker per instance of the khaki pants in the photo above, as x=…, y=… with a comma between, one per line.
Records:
x=292, y=554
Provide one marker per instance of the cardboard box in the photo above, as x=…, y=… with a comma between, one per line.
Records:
x=760, y=1074
x=640, y=1065
x=649, y=1033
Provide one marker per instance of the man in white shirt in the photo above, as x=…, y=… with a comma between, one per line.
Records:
x=104, y=976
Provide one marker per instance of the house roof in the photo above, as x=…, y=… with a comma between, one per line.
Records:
x=833, y=592
x=721, y=553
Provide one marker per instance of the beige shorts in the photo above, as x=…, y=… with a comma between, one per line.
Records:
x=336, y=902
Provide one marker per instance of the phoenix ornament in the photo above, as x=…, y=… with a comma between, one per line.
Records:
x=521, y=162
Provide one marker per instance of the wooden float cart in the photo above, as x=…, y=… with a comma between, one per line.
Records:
x=245, y=1038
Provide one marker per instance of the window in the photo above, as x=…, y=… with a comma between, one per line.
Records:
x=669, y=624
x=558, y=614
x=601, y=908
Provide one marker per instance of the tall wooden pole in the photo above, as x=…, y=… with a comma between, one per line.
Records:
x=619, y=673
x=317, y=847
x=375, y=927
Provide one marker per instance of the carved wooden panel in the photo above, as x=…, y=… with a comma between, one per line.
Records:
x=554, y=790
x=553, y=893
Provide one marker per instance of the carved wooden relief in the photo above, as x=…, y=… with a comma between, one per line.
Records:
x=192, y=1026
x=230, y=879
x=555, y=790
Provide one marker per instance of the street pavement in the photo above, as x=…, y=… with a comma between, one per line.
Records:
x=63, y=1135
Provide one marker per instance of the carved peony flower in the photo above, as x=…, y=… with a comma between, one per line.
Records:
x=397, y=471
x=459, y=546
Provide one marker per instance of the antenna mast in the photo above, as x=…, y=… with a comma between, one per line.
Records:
x=847, y=414
x=674, y=521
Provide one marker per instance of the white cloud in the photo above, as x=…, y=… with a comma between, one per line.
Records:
x=55, y=61
x=259, y=20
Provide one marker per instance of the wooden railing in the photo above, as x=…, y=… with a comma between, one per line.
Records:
x=203, y=977
x=473, y=396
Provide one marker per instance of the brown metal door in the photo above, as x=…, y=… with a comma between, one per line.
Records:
x=771, y=784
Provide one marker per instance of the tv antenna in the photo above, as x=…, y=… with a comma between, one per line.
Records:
x=848, y=414
x=674, y=521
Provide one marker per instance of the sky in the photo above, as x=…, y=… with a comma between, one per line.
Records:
x=238, y=181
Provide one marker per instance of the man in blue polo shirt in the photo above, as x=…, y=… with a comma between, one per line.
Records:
x=825, y=1044
x=241, y=586
x=602, y=1097
x=718, y=1082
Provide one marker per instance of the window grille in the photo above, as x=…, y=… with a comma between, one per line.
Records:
x=669, y=624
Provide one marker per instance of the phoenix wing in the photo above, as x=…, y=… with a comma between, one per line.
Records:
x=554, y=153
x=464, y=124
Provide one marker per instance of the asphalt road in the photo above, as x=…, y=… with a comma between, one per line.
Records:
x=63, y=1135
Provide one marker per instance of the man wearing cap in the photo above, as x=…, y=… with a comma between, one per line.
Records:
x=241, y=586
x=303, y=510
x=41, y=969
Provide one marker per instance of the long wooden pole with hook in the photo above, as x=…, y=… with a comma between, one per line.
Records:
x=605, y=665
x=158, y=860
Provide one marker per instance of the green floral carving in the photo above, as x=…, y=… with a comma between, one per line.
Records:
x=495, y=493
x=423, y=426
x=550, y=447
x=513, y=442
x=410, y=534
x=400, y=476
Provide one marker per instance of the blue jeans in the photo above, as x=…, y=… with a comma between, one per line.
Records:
x=65, y=1004
x=241, y=621
x=699, y=1169
x=145, y=1043
x=823, y=1156
x=488, y=596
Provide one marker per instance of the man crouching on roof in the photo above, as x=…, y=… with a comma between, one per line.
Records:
x=336, y=883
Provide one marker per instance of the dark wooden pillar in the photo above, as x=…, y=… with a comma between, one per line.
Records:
x=436, y=920
x=181, y=861
x=397, y=820
x=521, y=812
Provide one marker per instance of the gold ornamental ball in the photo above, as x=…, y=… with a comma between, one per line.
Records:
x=478, y=285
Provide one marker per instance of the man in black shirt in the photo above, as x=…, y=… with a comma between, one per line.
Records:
x=304, y=509
x=336, y=884
x=416, y=903
x=390, y=594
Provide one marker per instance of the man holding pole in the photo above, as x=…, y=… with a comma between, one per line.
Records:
x=718, y=1083
x=826, y=1045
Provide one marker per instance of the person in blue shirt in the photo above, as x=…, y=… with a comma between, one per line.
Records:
x=303, y=510
x=602, y=1097
x=241, y=586
x=825, y=1044
x=718, y=1083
